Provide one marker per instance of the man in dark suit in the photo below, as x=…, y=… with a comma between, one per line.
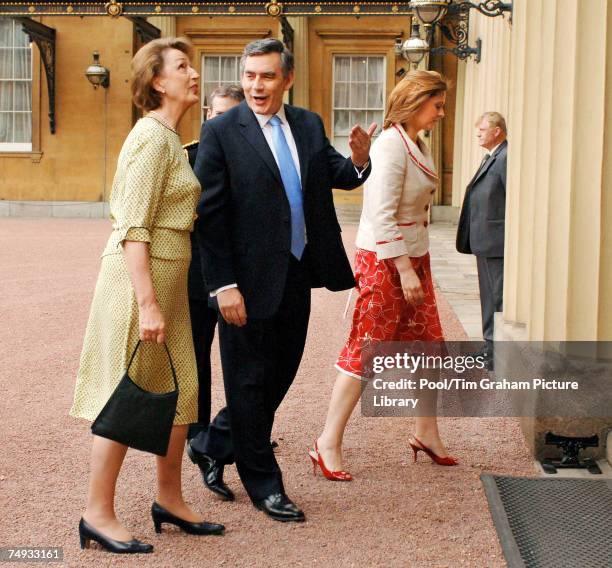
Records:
x=204, y=321
x=268, y=233
x=482, y=220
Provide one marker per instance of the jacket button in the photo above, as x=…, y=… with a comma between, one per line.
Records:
x=426, y=207
x=425, y=223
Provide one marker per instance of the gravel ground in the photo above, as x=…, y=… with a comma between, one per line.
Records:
x=394, y=514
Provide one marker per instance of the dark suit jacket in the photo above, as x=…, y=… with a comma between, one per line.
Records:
x=244, y=226
x=195, y=285
x=483, y=214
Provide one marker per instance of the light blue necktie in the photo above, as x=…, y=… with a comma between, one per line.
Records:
x=293, y=187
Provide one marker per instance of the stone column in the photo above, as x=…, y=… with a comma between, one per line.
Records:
x=167, y=24
x=558, y=271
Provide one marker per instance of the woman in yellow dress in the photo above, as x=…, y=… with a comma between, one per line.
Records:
x=141, y=293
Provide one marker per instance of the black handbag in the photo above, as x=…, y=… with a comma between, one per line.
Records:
x=138, y=418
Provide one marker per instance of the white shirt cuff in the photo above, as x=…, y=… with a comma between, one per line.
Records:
x=215, y=292
x=362, y=170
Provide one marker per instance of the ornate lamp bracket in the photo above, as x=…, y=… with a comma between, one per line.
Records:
x=145, y=30
x=44, y=37
x=493, y=8
x=456, y=26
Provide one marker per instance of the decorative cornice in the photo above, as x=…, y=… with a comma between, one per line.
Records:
x=359, y=34
x=162, y=8
x=228, y=33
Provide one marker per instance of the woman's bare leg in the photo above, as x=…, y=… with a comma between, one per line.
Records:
x=426, y=427
x=169, y=484
x=106, y=460
x=345, y=395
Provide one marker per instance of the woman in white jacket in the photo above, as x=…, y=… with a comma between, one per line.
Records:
x=396, y=299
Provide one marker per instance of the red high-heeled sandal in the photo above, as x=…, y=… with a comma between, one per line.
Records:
x=316, y=459
x=448, y=460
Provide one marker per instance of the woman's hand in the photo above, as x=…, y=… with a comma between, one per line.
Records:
x=411, y=285
x=152, y=325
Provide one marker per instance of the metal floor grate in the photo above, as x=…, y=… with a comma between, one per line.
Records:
x=552, y=523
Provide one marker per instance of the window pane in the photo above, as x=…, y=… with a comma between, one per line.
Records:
x=6, y=95
x=6, y=127
x=23, y=127
x=22, y=39
x=342, y=68
x=6, y=63
x=358, y=71
x=15, y=84
x=23, y=63
x=341, y=122
x=341, y=95
x=211, y=69
x=23, y=95
x=358, y=117
x=228, y=69
x=6, y=32
x=375, y=69
x=375, y=95
x=358, y=95
x=377, y=117
x=360, y=79
x=209, y=88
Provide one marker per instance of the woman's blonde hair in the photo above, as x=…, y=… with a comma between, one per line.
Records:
x=147, y=65
x=410, y=93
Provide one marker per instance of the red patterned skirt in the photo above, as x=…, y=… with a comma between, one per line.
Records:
x=381, y=311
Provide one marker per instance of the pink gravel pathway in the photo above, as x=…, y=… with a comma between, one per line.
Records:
x=395, y=514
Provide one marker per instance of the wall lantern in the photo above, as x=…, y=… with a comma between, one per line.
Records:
x=455, y=27
x=96, y=74
x=414, y=48
x=430, y=11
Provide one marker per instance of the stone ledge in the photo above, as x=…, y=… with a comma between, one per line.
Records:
x=55, y=209
x=534, y=428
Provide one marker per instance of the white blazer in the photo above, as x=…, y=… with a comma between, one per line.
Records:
x=397, y=196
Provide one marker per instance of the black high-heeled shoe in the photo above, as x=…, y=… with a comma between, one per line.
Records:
x=87, y=533
x=161, y=515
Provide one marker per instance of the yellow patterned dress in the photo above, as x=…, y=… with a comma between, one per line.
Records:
x=153, y=200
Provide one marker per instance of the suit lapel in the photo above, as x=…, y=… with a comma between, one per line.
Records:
x=297, y=130
x=482, y=171
x=251, y=130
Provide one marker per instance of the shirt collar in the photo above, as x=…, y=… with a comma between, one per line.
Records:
x=491, y=152
x=264, y=118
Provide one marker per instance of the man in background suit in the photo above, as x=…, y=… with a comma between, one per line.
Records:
x=204, y=321
x=482, y=220
x=268, y=233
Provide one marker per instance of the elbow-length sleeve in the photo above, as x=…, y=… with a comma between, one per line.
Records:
x=387, y=180
x=146, y=164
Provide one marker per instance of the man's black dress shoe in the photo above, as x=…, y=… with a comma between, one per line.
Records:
x=280, y=508
x=161, y=515
x=212, y=473
x=87, y=533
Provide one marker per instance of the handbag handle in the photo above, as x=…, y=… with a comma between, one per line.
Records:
x=169, y=360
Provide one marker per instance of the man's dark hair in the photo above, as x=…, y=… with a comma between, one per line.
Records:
x=235, y=92
x=268, y=45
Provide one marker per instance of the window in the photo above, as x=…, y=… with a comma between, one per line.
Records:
x=15, y=88
x=218, y=70
x=359, y=95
